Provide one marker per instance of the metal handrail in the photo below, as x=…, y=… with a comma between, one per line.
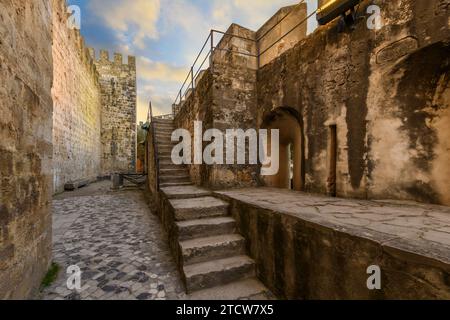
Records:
x=195, y=71
x=287, y=33
x=279, y=22
x=182, y=95
x=155, y=145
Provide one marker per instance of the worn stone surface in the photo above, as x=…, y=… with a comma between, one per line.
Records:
x=314, y=247
x=76, y=105
x=118, y=96
x=387, y=93
x=25, y=145
x=118, y=244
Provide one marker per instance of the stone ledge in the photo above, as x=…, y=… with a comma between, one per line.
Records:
x=314, y=247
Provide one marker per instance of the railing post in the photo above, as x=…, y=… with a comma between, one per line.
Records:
x=192, y=78
x=211, y=61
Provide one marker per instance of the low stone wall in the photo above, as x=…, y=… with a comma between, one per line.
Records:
x=301, y=254
x=25, y=146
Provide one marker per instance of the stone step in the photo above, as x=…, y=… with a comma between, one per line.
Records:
x=165, y=140
x=218, y=272
x=199, y=228
x=162, y=135
x=164, y=153
x=198, y=208
x=170, y=179
x=164, y=124
x=174, y=172
x=250, y=289
x=216, y=247
x=165, y=147
x=164, y=131
x=170, y=165
x=174, y=184
x=163, y=121
x=185, y=192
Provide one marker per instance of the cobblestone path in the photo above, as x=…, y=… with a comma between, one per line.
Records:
x=119, y=246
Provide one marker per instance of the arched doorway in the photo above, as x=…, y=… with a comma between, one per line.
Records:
x=291, y=158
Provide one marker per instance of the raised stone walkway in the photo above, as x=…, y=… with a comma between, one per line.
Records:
x=118, y=244
x=309, y=246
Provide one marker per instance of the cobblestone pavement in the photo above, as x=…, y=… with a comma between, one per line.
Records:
x=119, y=246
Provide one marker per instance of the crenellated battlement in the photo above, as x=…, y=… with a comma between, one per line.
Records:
x=117, y=58
x=61, y=17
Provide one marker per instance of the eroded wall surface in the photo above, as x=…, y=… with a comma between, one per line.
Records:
x=118, y=96
x=77, y=105
x=387, y=92
x=224, y=98
x=25, y=145
x=285, y=22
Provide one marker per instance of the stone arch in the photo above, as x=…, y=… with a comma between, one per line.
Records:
x=288, y=121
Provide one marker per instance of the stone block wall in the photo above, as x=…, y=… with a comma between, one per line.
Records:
x=278, y=25
x=26, y=151
x=225, y=98
x=118, y=96
x=387, y=93
x=77, y=105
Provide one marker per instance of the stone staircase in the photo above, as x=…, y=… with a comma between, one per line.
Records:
x=211, y=254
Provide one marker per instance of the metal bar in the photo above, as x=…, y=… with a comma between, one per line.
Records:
x=200, y=68
x=238, y=52
x=201, y=50
x=211, y=58
x=192, y=79
x=155, y=146
x=287, y=33
x=279, y=22
x=233, y=35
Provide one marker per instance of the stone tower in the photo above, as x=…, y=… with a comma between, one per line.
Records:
x=118, y=95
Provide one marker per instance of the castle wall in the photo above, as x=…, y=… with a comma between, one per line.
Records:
x=386, y=91
x=224, y=98
x=283, y=22
x=25, y=145
x=77, y=105
x=118, y=97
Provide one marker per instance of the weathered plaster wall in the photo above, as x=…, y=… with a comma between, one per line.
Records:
x=118, y=96
x=77, y=105
x=25, y=145
x=387, y=93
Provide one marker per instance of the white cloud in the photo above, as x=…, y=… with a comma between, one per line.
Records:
x=160, y=71
x=125, y=15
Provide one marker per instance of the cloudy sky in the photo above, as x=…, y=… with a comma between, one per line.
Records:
x=166, y=35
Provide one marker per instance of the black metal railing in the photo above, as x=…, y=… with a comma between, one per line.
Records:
x=188, y=87
x=154, y=144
